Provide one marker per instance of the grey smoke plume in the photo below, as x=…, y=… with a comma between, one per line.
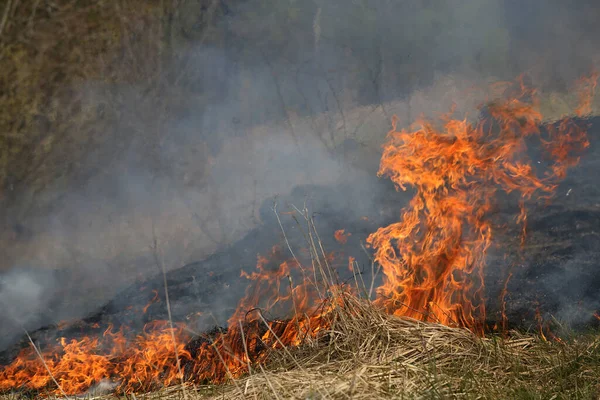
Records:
x=255, y=100
x=24, y=296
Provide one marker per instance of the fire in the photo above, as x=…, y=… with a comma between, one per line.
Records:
x=148, y=361
x=341, y=236
x=432, y=259
x=155, y=299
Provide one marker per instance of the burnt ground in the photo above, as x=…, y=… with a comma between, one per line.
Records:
x=557, y=271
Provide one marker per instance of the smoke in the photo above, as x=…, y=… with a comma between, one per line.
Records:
x=255, y=100
x=25, y=294
x=572, y=289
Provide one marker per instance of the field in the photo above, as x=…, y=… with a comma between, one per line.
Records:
x=130, y=126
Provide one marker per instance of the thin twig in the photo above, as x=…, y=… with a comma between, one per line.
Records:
x=32, y=15
x=247, y=358
x=214, y=346
x=294, y=301
x=161, y=265
x=373, y=273
x=285, y=236
x=45, y=365
x=284, y=347
x=268, y=381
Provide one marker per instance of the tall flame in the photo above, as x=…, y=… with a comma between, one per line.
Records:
x=433, y=258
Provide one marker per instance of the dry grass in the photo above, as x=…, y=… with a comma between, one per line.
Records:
x=371, y=355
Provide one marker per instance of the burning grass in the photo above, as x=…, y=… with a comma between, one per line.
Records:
x=362, y=352
x=424, y=335
x=368, y=354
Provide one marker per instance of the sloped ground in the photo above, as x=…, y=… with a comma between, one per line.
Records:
x=554, y=275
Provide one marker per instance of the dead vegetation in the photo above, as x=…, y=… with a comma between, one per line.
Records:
x=366, y=354
x=43, y=115
x=370, y=355
x=375, y=356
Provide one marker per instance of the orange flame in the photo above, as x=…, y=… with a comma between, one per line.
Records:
x=341, y=236
x=155, y=299
x=147, y=361
x=433, y=258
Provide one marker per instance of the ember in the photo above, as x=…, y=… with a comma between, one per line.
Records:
x=432, y=259
x=341, y=236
